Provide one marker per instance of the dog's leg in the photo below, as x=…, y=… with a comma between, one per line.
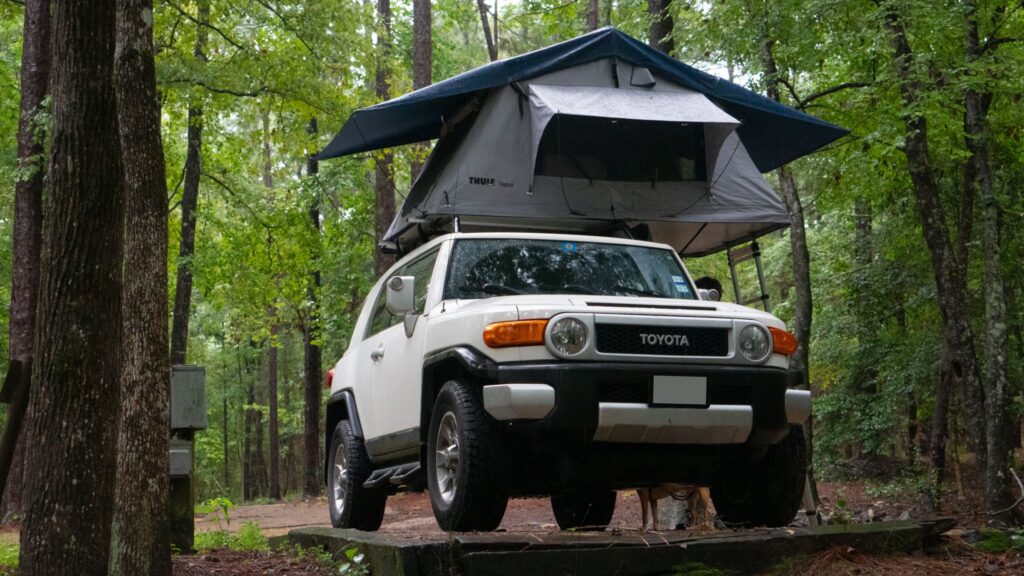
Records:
x=654, y=513
x=645, y=495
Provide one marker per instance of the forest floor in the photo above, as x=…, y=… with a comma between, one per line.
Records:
x=854, y=501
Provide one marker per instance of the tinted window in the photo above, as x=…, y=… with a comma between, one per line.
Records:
x=481, y=268
x=621, y=150
x=421, y=269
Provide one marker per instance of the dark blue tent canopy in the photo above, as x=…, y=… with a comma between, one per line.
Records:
x=773, y=134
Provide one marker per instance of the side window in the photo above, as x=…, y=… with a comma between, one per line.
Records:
x=381, y=319
x=422, y=269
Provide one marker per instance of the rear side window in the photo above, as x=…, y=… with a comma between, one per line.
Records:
x=422, y=269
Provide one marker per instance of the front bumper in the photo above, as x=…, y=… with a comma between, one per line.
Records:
x=612, y=402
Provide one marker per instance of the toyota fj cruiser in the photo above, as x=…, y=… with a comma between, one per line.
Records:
x=485, y=366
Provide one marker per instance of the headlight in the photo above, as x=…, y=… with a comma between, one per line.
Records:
x=754, y=343
x=569, y=336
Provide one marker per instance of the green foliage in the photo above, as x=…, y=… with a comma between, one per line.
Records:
x=8, y=556
x=1000, y=541
x=219, y=508
x=249, y=539
x=353, y=563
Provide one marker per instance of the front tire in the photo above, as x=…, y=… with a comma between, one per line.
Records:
x=465, y=462
x=351, y=504
x=766, y=492
x=590, y=510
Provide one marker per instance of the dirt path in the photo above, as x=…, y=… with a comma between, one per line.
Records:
x=406, y=513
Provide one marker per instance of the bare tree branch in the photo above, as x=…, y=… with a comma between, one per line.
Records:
x=198, y=22
x=801, y=103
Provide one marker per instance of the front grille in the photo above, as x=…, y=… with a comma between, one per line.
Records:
x=662, y=340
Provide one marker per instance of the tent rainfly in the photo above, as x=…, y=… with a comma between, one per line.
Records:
x=587, y=136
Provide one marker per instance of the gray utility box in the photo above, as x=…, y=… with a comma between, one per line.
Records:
x=180, y=457
x=188, y=397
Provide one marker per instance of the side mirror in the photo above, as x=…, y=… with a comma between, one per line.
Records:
x=710, y=294
x=400, y=299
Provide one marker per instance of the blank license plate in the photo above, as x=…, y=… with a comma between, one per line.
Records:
x=681, y=390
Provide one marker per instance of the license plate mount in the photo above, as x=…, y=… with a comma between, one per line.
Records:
x=679, y=391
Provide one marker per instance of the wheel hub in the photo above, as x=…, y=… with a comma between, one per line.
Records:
x=446, y=457
x=339, y=479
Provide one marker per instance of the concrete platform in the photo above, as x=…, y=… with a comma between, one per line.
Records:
x=631, y=553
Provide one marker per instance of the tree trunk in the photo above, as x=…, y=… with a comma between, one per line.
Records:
x=952, y=298
x=422, y=66
x=189, y=204
x=384, y=180
x=275, y=455
x=940, y=428
x=73, y=402
x=801, y=261
x=224, y=439
x=140, y=536
x=660, y=34
x=492, y=46
x=312, y=361
x=593, y=16
x=997, y=401
x=28, y=218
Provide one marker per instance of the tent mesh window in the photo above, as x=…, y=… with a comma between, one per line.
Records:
x=621, y=150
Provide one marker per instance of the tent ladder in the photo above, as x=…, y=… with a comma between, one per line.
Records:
x=736, y=256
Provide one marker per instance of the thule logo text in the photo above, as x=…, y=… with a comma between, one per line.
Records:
x=481, y=181
x=664, y=339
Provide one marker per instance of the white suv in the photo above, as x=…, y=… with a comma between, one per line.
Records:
x=491, y=365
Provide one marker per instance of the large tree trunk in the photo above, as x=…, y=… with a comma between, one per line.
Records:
x=28, y=218
x=74, y=397
x=952, y=298
x=422, y=66
x=312, y=360
x=189, y=204
x=593, y=16
x=492, y=44
x=660, y=34
x=801, y=261
x=384, y=180
x=140, y=534
x=997, y=401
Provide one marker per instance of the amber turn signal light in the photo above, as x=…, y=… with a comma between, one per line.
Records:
x=516, y=333
x=783, y=341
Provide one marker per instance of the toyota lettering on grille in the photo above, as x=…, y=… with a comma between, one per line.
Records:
x=664, y=339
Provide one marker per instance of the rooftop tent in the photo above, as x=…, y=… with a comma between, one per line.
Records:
x=772, y=133
x=568, y=151
x=588, y=135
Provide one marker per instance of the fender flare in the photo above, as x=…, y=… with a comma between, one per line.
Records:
x=340, y=406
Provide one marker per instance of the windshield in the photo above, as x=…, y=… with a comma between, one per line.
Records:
x=481, y=268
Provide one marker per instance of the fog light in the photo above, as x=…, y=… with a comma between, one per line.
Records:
x=569, y=336
x=753, y=343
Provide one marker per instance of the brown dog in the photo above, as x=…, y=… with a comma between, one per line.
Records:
x=698, y=501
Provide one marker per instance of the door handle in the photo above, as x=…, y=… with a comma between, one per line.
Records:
x=378, y=354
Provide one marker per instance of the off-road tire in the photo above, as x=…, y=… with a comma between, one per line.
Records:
x=480, y=478
x=766, y=492
x=362, y=508
x=590, y=510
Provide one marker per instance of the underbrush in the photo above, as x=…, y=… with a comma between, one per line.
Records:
x=249, y=539
x=8, y=556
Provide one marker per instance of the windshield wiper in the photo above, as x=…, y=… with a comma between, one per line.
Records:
x=576, y=288
x=493, y=289
x=637, y=291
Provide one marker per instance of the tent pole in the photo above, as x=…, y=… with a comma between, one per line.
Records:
x=756, y=251
x=735, y=278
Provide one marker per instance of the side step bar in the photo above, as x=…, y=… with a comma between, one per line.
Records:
x=393, y=475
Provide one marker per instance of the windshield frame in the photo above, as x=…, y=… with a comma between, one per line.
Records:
x=446, y=288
